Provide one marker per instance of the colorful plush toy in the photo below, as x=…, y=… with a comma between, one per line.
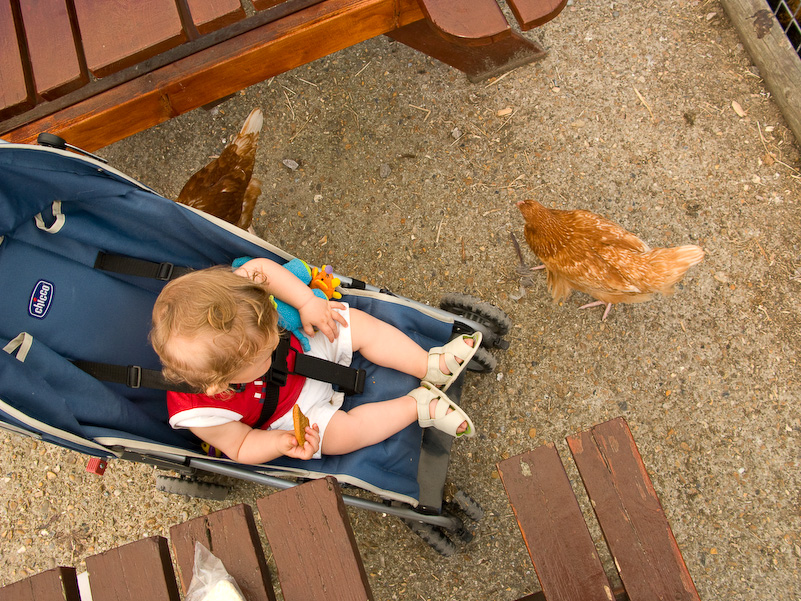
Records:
x=323, y=279
x=288, y=316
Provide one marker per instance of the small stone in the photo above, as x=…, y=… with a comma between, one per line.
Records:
x=293, y=165
x=384, y=170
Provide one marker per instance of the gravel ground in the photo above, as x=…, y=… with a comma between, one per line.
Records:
x=650, y=113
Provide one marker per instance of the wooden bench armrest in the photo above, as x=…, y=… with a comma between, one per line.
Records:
x=533, y=13
x=630, y=514
x=467, y=22
x=231, y=535
x=134, y=572
x=553, y=527
x=58, y=584
x=313, y=544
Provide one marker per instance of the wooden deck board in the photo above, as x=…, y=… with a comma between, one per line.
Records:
x=630, y=514
x=553, y=527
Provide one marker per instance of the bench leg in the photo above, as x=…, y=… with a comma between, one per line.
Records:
x=478, y=62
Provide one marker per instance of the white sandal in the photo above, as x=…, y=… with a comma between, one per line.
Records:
x=455, y=349
x=443, y=420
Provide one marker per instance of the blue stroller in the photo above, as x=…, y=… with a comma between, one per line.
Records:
x=66, y=223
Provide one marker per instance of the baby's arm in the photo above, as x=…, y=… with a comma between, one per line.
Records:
x=243, y=444
x=314, y=311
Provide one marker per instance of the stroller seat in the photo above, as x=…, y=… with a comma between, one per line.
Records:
x=57, y=212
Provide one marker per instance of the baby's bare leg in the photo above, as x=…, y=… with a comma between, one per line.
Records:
x=370, y=424
x=385, y=345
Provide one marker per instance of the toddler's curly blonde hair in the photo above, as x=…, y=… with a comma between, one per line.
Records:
x=228, y=318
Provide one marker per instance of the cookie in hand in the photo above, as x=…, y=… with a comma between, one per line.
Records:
x=300, y=421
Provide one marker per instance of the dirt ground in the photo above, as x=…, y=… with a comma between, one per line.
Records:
x=648, y=112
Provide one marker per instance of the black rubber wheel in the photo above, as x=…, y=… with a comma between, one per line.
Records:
x=477, y=310
x=433, y=536
x=52, y=140
x=483, y=361
x=468, y=505
x=191, y=488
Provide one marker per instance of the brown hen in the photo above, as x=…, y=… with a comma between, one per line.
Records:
x=226, y=187
x=585, y=252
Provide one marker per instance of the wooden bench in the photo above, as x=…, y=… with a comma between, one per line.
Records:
x=628, y=510
x=94, y=72
x=303, y=524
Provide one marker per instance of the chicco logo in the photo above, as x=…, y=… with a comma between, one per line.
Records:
x=41, y=297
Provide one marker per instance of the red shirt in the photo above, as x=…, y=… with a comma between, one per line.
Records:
x=187, y=410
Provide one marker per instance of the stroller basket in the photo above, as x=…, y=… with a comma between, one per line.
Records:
x=59, y=210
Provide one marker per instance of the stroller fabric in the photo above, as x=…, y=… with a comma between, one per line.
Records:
x=57, y=211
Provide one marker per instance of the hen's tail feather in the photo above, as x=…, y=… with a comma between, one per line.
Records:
x=252, y=125
x=668, y=265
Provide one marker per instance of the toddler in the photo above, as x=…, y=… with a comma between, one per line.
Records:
x=216, y=329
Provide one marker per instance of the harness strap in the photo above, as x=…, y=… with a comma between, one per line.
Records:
x=124, y=264
x=133, y=376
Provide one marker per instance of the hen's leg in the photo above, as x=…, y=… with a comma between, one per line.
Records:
x=598, y=304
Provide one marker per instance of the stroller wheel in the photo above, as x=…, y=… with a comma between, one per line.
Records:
x=487, y=315
x=191, y=488
x=482, y=362
x=433, y=536
x=469, y=505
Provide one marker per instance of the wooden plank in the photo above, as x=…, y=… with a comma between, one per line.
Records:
x=773, y=53
x=313, y=543
x=468, y=22
x=119, y=34
x=553, y=527
x=58, y=584
x=16, y=84
x=631, y=516
x=56, y=58
x=619, y=593
x=211, y=15
x=226, y=68
x=134, y=572
x=231, y=535
x=533, y=13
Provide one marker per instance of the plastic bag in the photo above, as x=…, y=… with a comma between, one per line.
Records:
x=210, y=579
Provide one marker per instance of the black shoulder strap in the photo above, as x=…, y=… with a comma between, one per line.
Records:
x=124, y=264
x=133, y=376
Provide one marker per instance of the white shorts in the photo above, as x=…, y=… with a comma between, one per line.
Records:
x=318, y=401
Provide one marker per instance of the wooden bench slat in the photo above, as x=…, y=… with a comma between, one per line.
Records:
x=56, y=63
x=533, y=13
x=217, y=72
x=119, y=34
x=630, y=514
x=16, y=86
x=211, y=15
x=313, y=543
x=553, y=527
x=138, y=571
x=58, y=584
x=231, y=535
x=468, y=22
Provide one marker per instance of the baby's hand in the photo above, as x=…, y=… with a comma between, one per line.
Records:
x=319, y=313
x=291, y=448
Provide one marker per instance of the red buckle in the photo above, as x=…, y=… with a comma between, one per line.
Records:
x=97, y=465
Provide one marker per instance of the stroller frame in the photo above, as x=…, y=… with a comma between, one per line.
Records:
x=429, y=518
